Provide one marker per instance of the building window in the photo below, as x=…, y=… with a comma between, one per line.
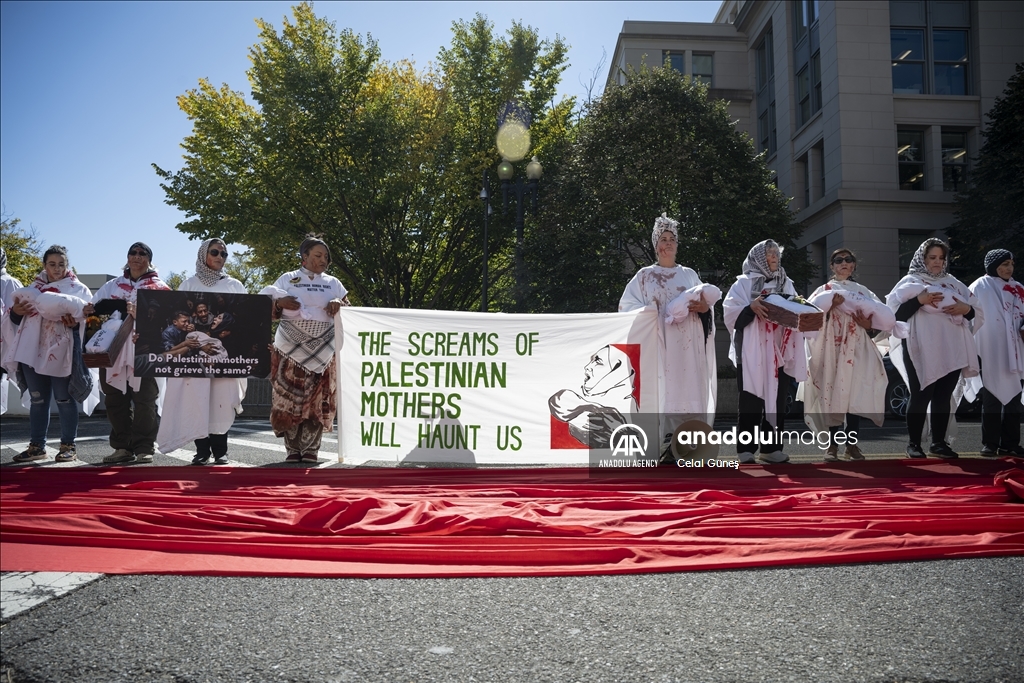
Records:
x=766, y=138
x=954, y=161
x=674, y=60
x=950, y=51
x=910, y=156
x=909, y=242
x=703, y=68
x=930, y=48
x=806, y=60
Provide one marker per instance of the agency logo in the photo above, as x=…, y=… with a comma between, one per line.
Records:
x=628, y=441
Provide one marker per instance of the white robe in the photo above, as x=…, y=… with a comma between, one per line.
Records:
x=7, y=286
x=194, y=408
x=766, y=347
x=844, y=367
x=688, y=377
x=938, y=343
x=999, y=342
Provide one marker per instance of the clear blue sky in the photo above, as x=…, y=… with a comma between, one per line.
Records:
x=87, y=96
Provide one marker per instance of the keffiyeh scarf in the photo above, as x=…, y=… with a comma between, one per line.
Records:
x=207, y=275
x=756, y=266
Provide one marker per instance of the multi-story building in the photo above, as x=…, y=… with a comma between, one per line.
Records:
x=868, y=112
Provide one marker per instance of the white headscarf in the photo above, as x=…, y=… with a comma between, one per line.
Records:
x=917, y=265
x=756, y=266
x=661, y=224
x=207, y=275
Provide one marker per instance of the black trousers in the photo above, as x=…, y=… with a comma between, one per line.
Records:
x=852, y=427
x=1000, y=424
x=938, y=393
x=215, y=443
x=752, y=414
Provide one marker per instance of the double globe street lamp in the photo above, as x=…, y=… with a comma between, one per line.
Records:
x=513, y=143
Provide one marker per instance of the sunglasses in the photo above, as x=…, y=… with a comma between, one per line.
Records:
x=137, y=253
x=843, y=259
x=217, y=252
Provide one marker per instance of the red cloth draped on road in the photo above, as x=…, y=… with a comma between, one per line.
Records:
x=410, y=522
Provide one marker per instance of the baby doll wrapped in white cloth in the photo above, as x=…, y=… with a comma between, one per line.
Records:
x=51, y=305
x=677, y=309
x=911, y=289
x=882, y=317
x=300, y=313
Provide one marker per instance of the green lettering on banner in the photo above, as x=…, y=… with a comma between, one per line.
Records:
x=448, y=436
x=377, y=341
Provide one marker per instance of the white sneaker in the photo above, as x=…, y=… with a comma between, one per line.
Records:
x=747, y=459
x=776, y=457
x=120, y=455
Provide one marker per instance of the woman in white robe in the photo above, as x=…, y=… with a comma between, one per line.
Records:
x=132, y=402
x=767, y=356
x=688, y=378
x=202, y=409
x=43, y=350
x=845, y=374
x=1001, y=346
x=939, y=346
x=7, y=286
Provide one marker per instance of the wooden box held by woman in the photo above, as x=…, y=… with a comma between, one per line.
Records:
x=302, y=367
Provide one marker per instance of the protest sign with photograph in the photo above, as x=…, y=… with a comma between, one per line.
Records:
x=202, y=334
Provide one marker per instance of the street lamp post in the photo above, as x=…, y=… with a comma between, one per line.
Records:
x=521, y=190
x=485, y=194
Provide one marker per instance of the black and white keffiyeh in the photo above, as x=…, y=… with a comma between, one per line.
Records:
x=917, y=264
x=310, y=343
x=756, y=266
x=207, y=275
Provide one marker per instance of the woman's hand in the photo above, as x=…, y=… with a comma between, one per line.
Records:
x=837, y=299
x=287, y=302
x=862, y=320
x=23, y=307
x=69, y=320
x=759, y=309
x=88, y=309
x=929, y=298
x=959, y=308
x=334, y=305
x=699, y=306
x=131, y=309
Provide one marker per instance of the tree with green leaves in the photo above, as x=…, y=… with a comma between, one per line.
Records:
x=382, y=161
x=990, y=212
x=22, y=248
x=654, y=145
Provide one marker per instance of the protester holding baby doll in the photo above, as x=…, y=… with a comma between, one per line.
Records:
x=199, y=408
x=131, y=401
x=846, y=377
x=43, y=350
x=302, y=366
x=940, y=345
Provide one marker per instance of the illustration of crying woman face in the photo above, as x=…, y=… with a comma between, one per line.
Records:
x=605, y=369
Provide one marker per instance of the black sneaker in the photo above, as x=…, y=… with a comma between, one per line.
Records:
x=1012, y=450
x=33, y=452
x=914, y=451
x=942, y=450
x=200, y=459
x=988, y=452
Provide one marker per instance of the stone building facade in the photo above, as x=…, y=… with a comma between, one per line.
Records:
x=868, y=111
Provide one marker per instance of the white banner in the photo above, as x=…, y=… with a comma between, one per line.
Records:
x=442, y=386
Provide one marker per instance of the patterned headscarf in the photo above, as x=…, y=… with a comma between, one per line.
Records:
x=207, y=275
x=661, y=224
x=756, y=266
x=3, y=260
x=994, y=259
x=917, y=265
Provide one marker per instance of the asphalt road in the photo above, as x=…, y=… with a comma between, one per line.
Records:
x=951, y=620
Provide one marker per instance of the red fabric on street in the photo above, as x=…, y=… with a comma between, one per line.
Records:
x=504, y=522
